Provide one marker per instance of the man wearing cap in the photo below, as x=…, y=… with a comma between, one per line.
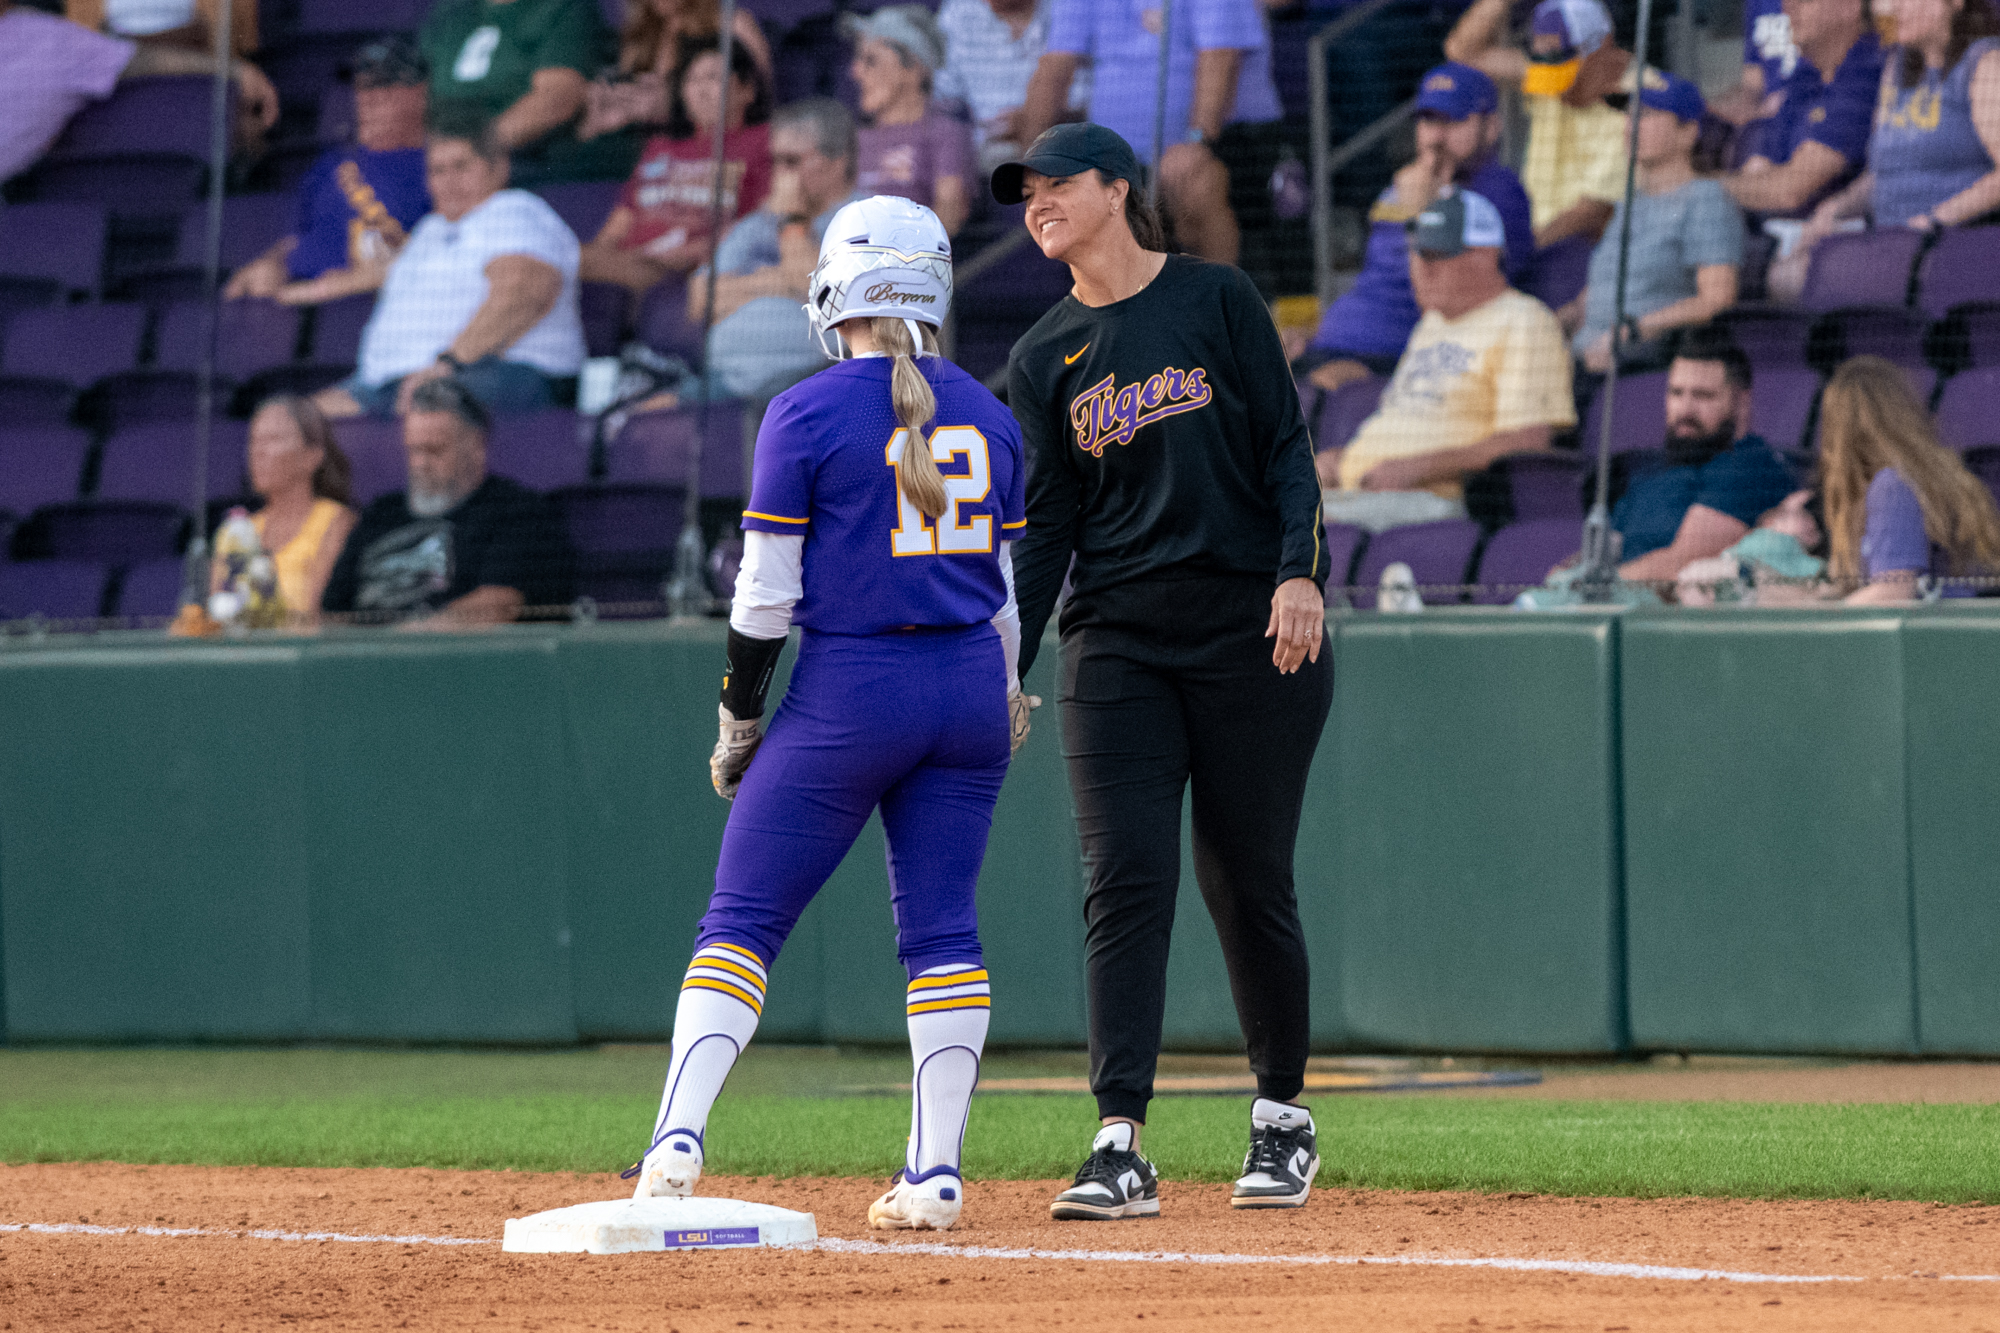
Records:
x=908, y=147
x=1458, y=128
x=359, y=201
x=1218, y=74
x=1575, y=164
x=1486, y=374
x=1818, y=140
x=1687, y=239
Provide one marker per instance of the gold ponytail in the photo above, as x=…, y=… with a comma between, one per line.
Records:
x=915, y=406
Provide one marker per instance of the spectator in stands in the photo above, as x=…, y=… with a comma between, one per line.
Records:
x=1458, y=129
x=359, y=200
x=1687, y=239
x=1575, y=164
x=459, y=546
x=485, y=290
x=525, y=65
x=909, y=146
x=991, y=50
x=1898, y=503
x=50, y=69
x=1218, y=74
x=1937, y=133
x=760, y=343
x=1718, y=478
x=662, y=220
x=1486, y=375
x=1769, y=57
x=299, y=472
x=660, y=38
x=1818, y=139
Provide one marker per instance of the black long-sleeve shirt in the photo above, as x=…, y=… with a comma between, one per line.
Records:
x=1167, y=438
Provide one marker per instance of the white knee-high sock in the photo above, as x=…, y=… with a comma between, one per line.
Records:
x=721, y=1000
x=948, y=1008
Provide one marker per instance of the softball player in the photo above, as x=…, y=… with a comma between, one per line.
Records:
x=886, y=494
x=1172, y=464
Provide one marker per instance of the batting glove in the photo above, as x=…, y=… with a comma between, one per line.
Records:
x=1019, y=705
x=734, y=750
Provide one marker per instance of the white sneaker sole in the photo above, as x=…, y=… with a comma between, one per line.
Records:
x=1279, y=1200
x=1073, y=1210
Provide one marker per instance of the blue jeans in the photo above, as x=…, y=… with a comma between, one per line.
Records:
x=501, y=386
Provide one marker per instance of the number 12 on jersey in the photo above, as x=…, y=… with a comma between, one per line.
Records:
x=914, y=534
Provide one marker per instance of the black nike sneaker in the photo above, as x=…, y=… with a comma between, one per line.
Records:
x=1278, y=1170
x=1113, y=1182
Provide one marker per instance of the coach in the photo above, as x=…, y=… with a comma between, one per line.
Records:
x=1171, y=460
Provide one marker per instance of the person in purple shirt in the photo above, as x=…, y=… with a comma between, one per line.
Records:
x=883, y=507
x=1769, y=57
x=1818, y=139
x=1218, y=74
x=1899, y=505
x=1458, y=130
x=909, y=147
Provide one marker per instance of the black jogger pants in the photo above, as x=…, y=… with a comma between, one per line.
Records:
x=1167, y=684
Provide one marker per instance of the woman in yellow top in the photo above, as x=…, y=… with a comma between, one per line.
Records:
x=302, y=477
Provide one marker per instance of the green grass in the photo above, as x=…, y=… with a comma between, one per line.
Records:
x=589, y=1111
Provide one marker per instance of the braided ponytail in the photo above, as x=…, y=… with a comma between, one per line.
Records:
x=915, y=404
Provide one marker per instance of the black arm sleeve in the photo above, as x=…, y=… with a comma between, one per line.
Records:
x=1279, y=424
x=343, y=585
x=1055, y=500
x=746, y=674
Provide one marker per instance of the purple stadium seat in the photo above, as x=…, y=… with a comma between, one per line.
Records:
x=53, y=589
x=151, y=591
x=354, y=17
x=541, y=450
x=337, y=326
x=780, y=16
x=60, y=241
x=249, y=336
x=78, y=343
x=156, y=462
x=1639, y=420
x=725, y=562
x=1521, y=556
x=1342, y=411
x=1968, y=413
x=129, y=186
x=583, y=204
x=39, y=465
x=166, y=116
x=1961, y=267
x=112, y=532
x=1545, y=486
x=139, y=397
x=624, y=535
x=603, y=307
x=1557, y=273
x=1781, y=403
x=302, y=378
x=1984, y=463
x=304, y=64
x=1869, y=268
x=1770, y=335
x=374, y=450
x=18, y=294
x=1344, y=542
x=1923, y=382
x=663, y=322
x=654, y=447
x=1438, y=554
x=251, y=224
x=27, y=400
x=1894, y=335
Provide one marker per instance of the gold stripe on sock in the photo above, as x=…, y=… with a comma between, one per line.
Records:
x=710, y=983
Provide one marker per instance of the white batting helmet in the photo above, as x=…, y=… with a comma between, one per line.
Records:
x=881, y=256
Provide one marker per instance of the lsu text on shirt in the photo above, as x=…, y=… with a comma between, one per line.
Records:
x=1501, y=367
x=827, y=467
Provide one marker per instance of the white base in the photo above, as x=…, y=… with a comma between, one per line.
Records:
x=633, y=1226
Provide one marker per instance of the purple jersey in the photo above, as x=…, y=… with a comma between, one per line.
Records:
x=826, y=467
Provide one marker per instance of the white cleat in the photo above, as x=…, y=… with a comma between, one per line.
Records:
x=672, y=1169
x=931, y=1204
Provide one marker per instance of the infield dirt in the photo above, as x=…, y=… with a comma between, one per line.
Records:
x=1903, y=1253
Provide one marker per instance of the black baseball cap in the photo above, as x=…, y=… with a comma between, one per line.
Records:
x=1067, y=150
x=392, y=61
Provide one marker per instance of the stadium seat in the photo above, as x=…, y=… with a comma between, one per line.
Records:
x=624, y=535
x=657, y=446
x=39, y=465
x=603, y=309
x=137, y=397
x=156, y=462
x=54, y=589
x=1521, y=555
x=1871, y=268
x=663, y=322
x=250, y=336
x=1771, y=335
x=374, y=451
x=251, y=224
x=151, y=590
x=1984, y=463
x=1557, y=274
x=1438, y=554
x=1894, y=335
x=583, y=205
x=1545, y=485
x=1962, y=266
x=35, y=401
x=1781, y=403
x=1344, y=543
x=1639, y=419
x=336, y=329
x=1341, y=412
x=58, y=242
x=541, y=450
x=1968, y=411
x=110, y=532
x=78, y=344
x=304, y=378
x=161, y=115
x=355, y=17
x=18, y=294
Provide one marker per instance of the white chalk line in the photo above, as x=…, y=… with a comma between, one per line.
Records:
x=834, y=1245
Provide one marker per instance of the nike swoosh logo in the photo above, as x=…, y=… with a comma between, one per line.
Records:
x=1070, y=360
